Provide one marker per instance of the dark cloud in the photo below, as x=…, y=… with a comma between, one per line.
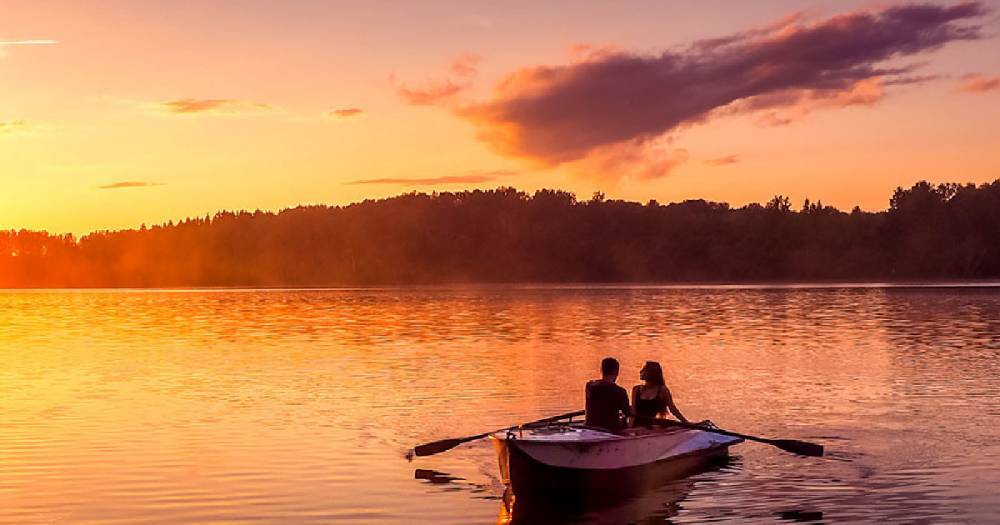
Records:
x=977, y=83
x=346, y=112
x=128, y=184
x=473, y=177
x=211, y=105
x=557, y=114
x=723, y=161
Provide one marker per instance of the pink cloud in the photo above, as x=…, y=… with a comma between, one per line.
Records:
x=465, y=65
x=473, y=177
x=346, y=112
x=213, y=105
x=431, y=94
x=582, y=51
x=977, y=83
x=723, y=161
x=129, y=184
x=785, y=107
x=462, y=71
x=636, y=160
x=557, y=114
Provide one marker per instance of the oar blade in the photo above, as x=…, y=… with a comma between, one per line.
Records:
x=436, y=447
x=802, y=448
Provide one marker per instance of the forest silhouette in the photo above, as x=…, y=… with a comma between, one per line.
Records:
x=945, y=231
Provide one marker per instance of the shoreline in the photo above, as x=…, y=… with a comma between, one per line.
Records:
x=750, y=285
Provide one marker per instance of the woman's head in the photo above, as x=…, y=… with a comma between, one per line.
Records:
x=652, y=372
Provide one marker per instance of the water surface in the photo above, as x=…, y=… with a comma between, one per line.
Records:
x=297, y=405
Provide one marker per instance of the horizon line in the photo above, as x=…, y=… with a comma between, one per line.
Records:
x=279, y=210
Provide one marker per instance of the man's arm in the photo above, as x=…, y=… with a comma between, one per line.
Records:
x=626, y=409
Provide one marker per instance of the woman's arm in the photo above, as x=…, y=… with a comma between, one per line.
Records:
x=672, y=407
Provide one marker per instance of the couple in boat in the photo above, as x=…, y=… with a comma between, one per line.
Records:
x=608, y=406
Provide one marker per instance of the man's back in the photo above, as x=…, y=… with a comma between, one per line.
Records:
x=606, y=404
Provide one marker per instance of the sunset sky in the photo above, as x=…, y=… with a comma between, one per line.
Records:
x=117, y=113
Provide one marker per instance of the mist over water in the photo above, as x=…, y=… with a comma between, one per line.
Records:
x=298, y=405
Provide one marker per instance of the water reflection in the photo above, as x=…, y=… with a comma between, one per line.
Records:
x=295, y=405
x=435, y=477
x=800, y=516
x=655, y=505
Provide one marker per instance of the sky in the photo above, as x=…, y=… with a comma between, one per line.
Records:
x=120, y=113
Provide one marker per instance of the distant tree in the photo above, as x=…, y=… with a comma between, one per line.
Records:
x=505, y=235
x=779, y=203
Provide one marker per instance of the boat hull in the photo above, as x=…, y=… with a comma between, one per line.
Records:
x=604, y=467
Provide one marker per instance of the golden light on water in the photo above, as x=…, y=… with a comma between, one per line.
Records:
x=131, y=405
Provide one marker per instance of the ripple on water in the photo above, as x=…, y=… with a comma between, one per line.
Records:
x=296, y=406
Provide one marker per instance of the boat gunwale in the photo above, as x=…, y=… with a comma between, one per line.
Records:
x=610, y=437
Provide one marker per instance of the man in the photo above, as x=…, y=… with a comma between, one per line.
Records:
x=607, y=403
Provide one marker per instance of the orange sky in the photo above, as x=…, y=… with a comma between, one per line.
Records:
x=117, y=113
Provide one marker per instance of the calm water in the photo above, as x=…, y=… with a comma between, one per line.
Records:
x=297, y=406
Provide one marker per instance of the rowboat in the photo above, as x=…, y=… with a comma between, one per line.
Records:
x=564, y=458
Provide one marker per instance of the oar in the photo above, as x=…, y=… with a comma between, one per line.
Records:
x=437, y=447
x=803, y=448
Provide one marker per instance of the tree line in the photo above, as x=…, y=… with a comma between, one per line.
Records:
x=945, y=231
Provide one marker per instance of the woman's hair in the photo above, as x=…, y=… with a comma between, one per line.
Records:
x=654, y=373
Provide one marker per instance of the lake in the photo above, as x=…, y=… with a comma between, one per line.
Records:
x=294, y=406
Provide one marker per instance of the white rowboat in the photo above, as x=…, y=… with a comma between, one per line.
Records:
x=575, y=458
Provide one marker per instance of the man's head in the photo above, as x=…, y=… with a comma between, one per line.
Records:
x=609, y=368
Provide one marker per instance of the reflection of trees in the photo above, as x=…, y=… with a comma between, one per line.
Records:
x=945, y=231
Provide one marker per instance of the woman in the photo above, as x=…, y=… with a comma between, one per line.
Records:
x=652, y=398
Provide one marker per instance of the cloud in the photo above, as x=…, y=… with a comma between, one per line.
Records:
x=345, y=113
x=472, y=177
x=465, y=65
x=13, y=127
x=191, y=106
x=977, y=83
x=431, y=94
x=128, y=184
x=36, y=42
x=462, y=71
x=583, y=51
x=4, y=44
x=723, y=161
x=785, y=107
x=559, y=114
x=639, y=160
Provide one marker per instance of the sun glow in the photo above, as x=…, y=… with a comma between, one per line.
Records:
x=107, y=125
